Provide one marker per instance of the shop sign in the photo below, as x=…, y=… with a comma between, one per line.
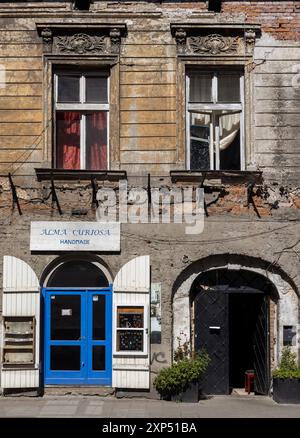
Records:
x=75, y=236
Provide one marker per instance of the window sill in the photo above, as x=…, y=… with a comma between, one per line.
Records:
x=66, y=175
x=222, y=176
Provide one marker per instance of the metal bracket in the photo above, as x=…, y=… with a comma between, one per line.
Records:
x=15, y=198
x=54, y=196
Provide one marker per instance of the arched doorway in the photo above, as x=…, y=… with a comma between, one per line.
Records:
x=77, y=296
x=231, y=314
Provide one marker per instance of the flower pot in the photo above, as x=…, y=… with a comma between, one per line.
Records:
x=190, y=395
x=286, y=390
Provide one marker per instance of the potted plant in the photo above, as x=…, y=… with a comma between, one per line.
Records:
x=286, y=379
x=180, y=381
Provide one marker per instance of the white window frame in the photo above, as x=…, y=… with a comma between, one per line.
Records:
x=145, y=330
x=212, y=109
x=83, y=108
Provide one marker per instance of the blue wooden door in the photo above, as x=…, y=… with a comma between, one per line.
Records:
x=78, y=336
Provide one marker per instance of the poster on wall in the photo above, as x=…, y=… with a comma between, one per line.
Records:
x=155, y=313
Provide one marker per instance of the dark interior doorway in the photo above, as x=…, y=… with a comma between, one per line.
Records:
x=231, y=322
x=244, y=309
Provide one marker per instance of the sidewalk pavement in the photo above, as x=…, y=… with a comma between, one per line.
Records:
x=233, y=406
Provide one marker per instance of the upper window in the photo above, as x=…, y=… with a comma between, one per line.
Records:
x=215, y=114
x=81, y=120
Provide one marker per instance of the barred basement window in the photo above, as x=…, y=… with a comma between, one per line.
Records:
x=81, y=116
x=215, y=120
x=131, y=329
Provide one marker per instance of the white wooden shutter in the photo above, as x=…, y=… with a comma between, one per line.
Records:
x=131, y=287
x=21, y=297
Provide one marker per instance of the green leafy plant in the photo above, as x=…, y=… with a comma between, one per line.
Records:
x=176, y=378
x=288, y=367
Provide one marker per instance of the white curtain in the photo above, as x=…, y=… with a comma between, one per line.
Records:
x=229, y=127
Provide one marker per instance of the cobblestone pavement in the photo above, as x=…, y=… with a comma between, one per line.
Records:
x=110, y=407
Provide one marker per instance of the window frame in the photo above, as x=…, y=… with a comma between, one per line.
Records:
x=145, y=330
x=212, y=108
x=83, y=108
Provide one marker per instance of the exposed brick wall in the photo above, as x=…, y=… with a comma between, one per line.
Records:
x=280, y=18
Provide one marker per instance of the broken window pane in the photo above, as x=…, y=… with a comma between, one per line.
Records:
x=199, y=141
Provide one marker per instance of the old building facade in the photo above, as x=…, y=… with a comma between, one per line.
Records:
x=183, y=95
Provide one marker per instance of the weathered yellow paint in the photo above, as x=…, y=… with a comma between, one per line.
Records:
x=147, y=143
x=148, y=116
x=20, y=128
x=148, y=130
x=12, y=50
x=21, y=90
x=20, y=116
x=148, y=77
x=19, y=141
x=148, y=157
x=148, y=90
x=30, y=102
x=150, y=104
x=27, y=76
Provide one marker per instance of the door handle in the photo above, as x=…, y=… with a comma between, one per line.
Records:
x=82, y=364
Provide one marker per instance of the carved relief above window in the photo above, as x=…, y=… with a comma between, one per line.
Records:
x=215, y=40
x=81, y=39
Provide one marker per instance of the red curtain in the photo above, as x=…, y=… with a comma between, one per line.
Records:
x=96, y=141
x=68, y=140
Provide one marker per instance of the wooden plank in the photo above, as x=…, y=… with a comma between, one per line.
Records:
x=147, y=51
x=149, y=104
x=148, y=117
x=148, y=130
x=12, y=50
x=21, y=90
x=20, y=116
x=160, y=157
x=273, y=133
x=30, y=102
x=277, y=146
x=277, y=120
x=147, y=90
x=147, y=143
x=18, y=141
x=274, y=80
x=21, y=76
x=20, y=128
x=154, y=77
x=277, y=93
x=21, y=63
x=277, y=106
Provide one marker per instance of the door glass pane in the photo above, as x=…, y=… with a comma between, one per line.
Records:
x=68, y=140
x=65, y=317
x=130, y=340
x=96, y=141
x=230, y=142
x=229, y=87
x=201, y=88
x=199, y=141
x=65, y=357
x=99, y=357
x=99, y=317
x=96, y=89
x=68, y=88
